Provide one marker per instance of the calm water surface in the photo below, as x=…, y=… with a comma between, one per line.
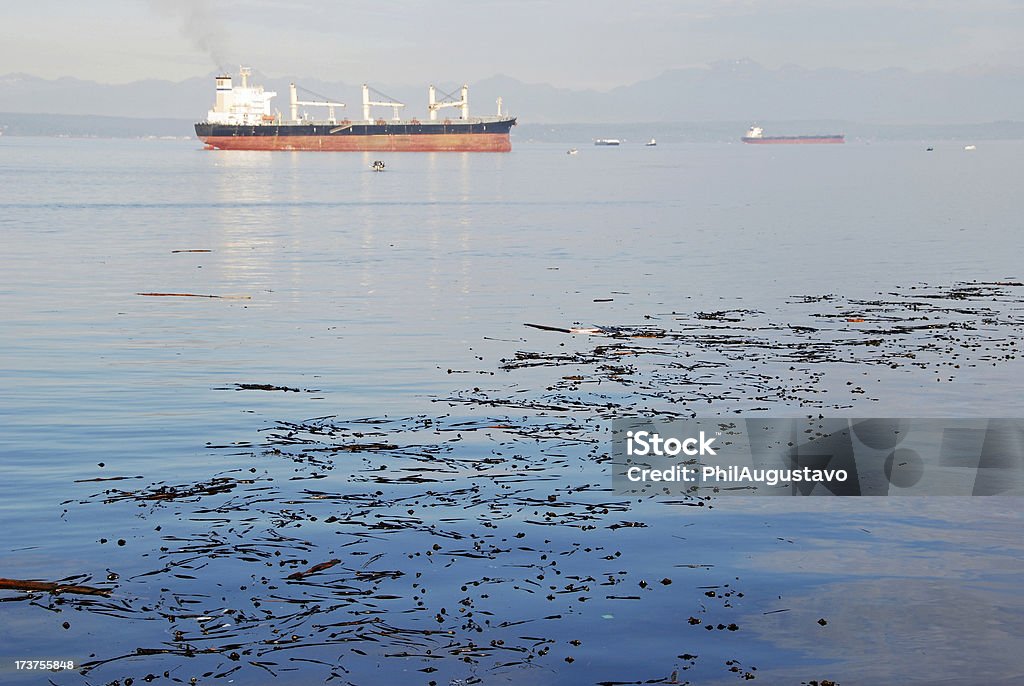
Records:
x=380, y=295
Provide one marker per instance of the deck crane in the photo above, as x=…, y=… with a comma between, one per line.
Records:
x=390, y=102
x=433, y=105
x=295, y=102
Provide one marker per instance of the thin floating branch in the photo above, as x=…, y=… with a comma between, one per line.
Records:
x=592, y=330
x=196, y=295
x=51, y=587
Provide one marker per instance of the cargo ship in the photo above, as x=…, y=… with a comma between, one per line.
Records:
x=241, y=119
x=756, y=135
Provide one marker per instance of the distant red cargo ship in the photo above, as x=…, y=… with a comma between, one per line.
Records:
x=241, y=119
x=756, y=135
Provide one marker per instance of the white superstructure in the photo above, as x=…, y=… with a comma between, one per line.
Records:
x=243, y=104
x=755, y=132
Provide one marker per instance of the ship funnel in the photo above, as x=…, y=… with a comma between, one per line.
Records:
x=223, y=101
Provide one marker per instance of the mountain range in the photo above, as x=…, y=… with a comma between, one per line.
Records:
x=739, y=90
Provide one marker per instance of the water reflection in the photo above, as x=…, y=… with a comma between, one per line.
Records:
x=245, y=236
x=869, y=586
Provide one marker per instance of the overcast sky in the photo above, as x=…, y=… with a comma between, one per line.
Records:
x=572, y=43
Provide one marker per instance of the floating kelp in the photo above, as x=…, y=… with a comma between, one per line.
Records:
x=487, y=544
x=751, y=360
x=266, y=387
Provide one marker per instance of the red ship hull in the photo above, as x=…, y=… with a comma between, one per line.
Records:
x=442, y=142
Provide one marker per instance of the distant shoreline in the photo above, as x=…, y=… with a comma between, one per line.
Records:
x=20, y=124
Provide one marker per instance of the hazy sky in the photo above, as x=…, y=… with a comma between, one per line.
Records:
x=573, y=43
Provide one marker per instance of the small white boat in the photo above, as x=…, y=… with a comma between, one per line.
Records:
x=651, y=143
x=607, y=141
x=571, y=151
x=970, y=147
